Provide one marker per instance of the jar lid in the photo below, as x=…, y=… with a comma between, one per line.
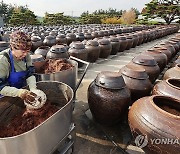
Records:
x=61, y=36
x=50, y=37
x=136, y=72
x=35, y=38
x=92, y=43
x=58, y=49
x=121, y=37
x=114, y=39
x=36, y=58
x=77, y=45
x=104, y=41
x=110, y=80
x=72, y=35
x=145, y=60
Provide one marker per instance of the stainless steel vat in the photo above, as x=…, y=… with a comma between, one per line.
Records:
x=44, y=138
x=68, y=76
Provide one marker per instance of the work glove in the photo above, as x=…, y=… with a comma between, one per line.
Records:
x=31, y=82
x=39, y=101
x=26, y=95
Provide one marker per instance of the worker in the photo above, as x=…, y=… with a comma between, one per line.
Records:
x=16, y=70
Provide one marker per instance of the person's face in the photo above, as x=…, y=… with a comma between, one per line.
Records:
x=19, y=54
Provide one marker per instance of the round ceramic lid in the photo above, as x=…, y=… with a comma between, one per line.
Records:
x=104, y=41
x=77, y=45
x=145, y=60
x=35, y=38
x=110, y=80
x=61, y=36
x=114, y=39
x=58, y=49
x=136, y=72
x=50, y=37
x=92, y=43
x=36, y=58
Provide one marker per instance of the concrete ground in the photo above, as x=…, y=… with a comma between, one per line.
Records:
x=91, y=137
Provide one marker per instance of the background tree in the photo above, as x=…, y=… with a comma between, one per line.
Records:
x=22, y=16
x=113, y=20
x=128, y=17
x=57, y=19
x=169, y=10
x=136, y=12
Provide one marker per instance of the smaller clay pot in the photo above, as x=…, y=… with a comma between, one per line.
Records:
x=42, y=50
x=88, y=36
x=115, y=45
x=49, y=41
x=70, y=38
x=78, y=50
x=149, y=64
x=159, y=57
x=137, y=80
x=57, y=51
x=61, y=39
x=123, y=43
x=130, y=41
x=36, y=42
x=169, y=87
x=165, y=51
x=105, y=48
x=37, y=60
x=173, y=72
x=177, y=61
x=93, y=49
x=80, y=37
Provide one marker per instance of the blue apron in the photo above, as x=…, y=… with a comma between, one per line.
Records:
x=16, y=79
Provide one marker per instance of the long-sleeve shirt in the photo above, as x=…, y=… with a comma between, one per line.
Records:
x=19, y=65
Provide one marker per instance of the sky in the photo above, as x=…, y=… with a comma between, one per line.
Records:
x=76, y=7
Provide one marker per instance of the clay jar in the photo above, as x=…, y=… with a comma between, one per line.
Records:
x=94, y=34
x=61, y=39
x=169, y=87
x=80, y=36
x=105, y=48
x=49, y=41
x=175, y=45
x=159, y=57
x=108, y=98
x=156, y=117
x=141, y=39
x=177, y=61
x=57, y=51
x=137, y=81
x=173, y=72
x=123, y=43
x=136, y=40
x=36, y=42
x=42, y=50
x=37, y=60
x=170, y=47
x=70, y=38
x=88, y=36
x=165, y=51
x=149, y=64
x=93, y=50
x=115, y=45
x=130, y=41
x=78, y=50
